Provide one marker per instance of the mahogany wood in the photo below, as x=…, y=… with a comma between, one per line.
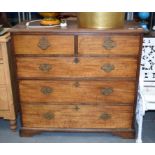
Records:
x=124, y=133
x=95, y=44
x=75, y=116
x=66, y=67
x=86, y=81
x=67, y=91
x=72, y=28
x=29, y=44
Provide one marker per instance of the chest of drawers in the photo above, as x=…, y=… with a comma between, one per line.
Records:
x=7, y=96
x=73, y=79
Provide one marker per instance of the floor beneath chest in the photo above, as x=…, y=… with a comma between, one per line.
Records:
x=7, y=136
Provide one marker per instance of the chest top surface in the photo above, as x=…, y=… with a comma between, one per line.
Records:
x=73, y=28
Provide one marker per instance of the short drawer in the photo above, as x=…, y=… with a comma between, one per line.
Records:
x=112, y=44
x=43, y=44
x=66, y=67
x=77, y=91
x=77, y=116
x=2, y=74
x=3, y=98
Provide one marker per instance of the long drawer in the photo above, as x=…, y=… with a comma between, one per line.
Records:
x=3, y=98
x=77, y=91
x=76, y=116
x=110, y=44
x=66, y=67
x=43, y=44
x=2, y=74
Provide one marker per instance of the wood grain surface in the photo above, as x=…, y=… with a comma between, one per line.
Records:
x=66, y=67
x=2, y=75
x=129, y=28
x=3, y=98
x=7, y=99
x=126, y=45
x=66, y=116
x=77, y=91
x=77, y=79
x=29, y=44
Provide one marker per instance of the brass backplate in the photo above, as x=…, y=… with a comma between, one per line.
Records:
x=105, y=116
x=108, y=67
x=48, y=116
x=44, y=43
x=46, y=90
x=107, y=91
x=101, y=19
x=45, y=67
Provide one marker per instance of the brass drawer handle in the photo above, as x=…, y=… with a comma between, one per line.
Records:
x=46, y=90
x=48, y=116
x=43, y=43
x=108, y=44
x=76, y=84
x=105, y=116
x=45, y=67
x=107, y=91
x=108, y=67
x=77, y=108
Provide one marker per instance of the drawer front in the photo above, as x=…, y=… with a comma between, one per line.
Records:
x=3, y=99
x=77, y=91
x=2, y=74
x=86, y=67
x=117, y=45
x=43, y=44
x=77, y=116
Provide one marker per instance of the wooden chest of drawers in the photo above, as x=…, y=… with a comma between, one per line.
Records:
x=7, y=97
x=77, y=79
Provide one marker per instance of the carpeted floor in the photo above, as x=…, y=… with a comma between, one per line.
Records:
x=7, y=136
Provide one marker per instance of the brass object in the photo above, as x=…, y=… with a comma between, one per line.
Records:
x=108, y=67
x=76, y=84
x=105, y=116
x=49, y=14
x=50, y=18
x=45, y=67
x=46, y=90
x=101, y=19
x=109, y=44
x=107, y=91
x=43, y=43
x=77, y=108
x=48, y=116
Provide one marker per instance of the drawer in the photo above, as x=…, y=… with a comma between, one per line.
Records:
x=3, y=99
x=77, y=116
x=86, y=67
x=44, y=44
x=77, y=91
x=113, y=44
x=2, y=74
